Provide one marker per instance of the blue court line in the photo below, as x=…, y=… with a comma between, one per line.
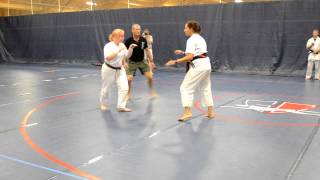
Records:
x=40, y=167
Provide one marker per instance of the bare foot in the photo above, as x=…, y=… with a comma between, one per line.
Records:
x=210, y=115
x=103, y=107
x=124, y=110
x=185, y=117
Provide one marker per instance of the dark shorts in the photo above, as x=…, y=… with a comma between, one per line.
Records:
x=133, y=66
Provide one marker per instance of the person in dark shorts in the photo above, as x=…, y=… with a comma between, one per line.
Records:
x=137, y=60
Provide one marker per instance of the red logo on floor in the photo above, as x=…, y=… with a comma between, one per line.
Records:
x=276, y=107
x=288, y=107
x=269, y=107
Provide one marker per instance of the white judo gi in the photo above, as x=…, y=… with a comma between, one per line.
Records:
x=199, y=75
x=313, y=58
x=110, y=75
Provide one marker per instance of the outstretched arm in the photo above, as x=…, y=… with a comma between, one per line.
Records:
x=130, y=50
x=188, y=57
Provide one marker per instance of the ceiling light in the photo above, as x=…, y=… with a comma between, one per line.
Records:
x=91, y=3
x=135, y=4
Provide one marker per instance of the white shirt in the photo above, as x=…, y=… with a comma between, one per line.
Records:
x=196, y=45
x=149, y=39
x=315, y=47
x=110, y=48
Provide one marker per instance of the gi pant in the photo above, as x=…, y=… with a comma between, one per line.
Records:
x=312, y=63
x=196, y=79
x=109, y=76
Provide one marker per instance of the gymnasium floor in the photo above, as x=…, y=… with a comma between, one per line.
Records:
x=266, y=128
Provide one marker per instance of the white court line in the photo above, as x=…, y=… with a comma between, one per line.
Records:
x=16, y=84
x=154, y=134
x=94, y=160
x=7, y=104
x=24, y=94
x=91, y=161
x=59, y=79
x=50, y=71
x=28, y=100
x=30, y=125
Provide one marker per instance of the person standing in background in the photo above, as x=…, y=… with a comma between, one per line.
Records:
x=147, y=35
x=313, y=45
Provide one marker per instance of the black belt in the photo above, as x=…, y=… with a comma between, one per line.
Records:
x=204, y=55
x=311, y=51
x=112, y=67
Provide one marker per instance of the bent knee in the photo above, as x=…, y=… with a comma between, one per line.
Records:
x=148, y=75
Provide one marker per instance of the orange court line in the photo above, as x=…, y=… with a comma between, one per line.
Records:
x=41, y=151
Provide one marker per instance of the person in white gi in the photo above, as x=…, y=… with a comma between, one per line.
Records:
x=199, y=73
x=115, y=54
x=313, y=45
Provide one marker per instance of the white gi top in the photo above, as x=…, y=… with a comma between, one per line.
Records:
x=196, y=45
x=110, y=48
x=149, y=39
x=315, y=47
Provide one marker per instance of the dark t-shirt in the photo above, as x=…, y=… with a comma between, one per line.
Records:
x=138, y=52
